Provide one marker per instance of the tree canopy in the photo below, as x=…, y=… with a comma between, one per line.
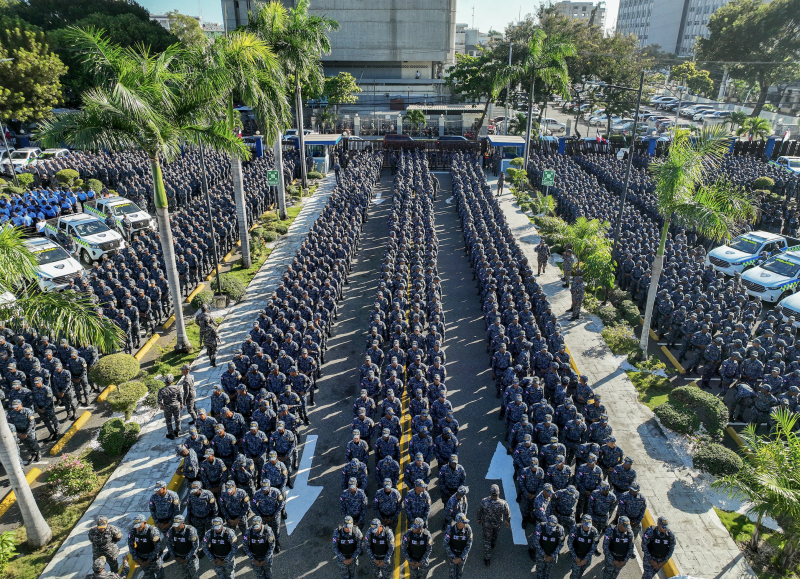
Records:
x=187, y=29
x=697, y=81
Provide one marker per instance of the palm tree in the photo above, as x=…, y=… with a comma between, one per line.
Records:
x=755, y=127
x=59, y=314
x=585, y=236
x=242, y=65
x=769, y=481
x=417, y=119
x=143, y=103
x=716, y=209
x=544, y=57
x=327, y=118
x=737, y=119
x=299, y=40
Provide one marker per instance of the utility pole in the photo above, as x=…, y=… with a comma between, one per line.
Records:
x=508, y=90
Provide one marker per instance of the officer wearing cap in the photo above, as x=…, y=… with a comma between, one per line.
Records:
x=219, y=545
x=259, y=545
x=353, y=502
x=269, y=503
x=418, y=502
x=201, y=508
x=347, y=546
x=456, y=504
x=658, y=544
x=451, y=476
x=582, y=542
x=99, y=572
x=545, y=544
x=183, y=543
x=164, y=505
x=379, y=547
x=234, y=506
x=244, y=474
x=190, y=466
x=618, y=547
x=170, y=400
x=43, y=402
x=104, y=539
x=25, y=422
x=144, y=544
x=284, y=443
x=213, y=472
x=457, y=544
x=416, y=548
x=622, y=476
x=492, y=513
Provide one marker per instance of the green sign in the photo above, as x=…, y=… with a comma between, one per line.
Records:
x=548, y=177
x=272, y=178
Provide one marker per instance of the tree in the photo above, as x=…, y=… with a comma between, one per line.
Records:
x=59, y=314
x=327, y=118
x=586, y=237
x=242, y=66
x=30, y=85
x=769, y=481
x=417, y=119
x=697, y=81
x=760, y=39
x=54, y=14
x=716, y=209
x=755, y=127
x=187, y=29
x=143, y=102
x=544, y=57
x=341, y=89
x=518, y=124
x=299, y=40
x=477, y=78
x=737, y=119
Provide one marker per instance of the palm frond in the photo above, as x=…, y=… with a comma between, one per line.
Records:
x=17, y=264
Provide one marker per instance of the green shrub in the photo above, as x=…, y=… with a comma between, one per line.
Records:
x=116, y=435
x=617, y=296
x=269, y=236
x=315, y=175
x=629, y=312
x=677, y=417
x=11, y=190
x=68, y=177
x=550, y=225
x=201, y=299
x=716, y=459
x=620, y=338
x=591, y=304
x=231, y=287
x=114, y=369
x=763, y=183
x=8, y=547
x=608, y=315
x=126, y=396
x=715, y=413
x=652, y=364
x=153, y=386
x=25, y=179
x=71, y=476
x=281, y=229
x=94, y=185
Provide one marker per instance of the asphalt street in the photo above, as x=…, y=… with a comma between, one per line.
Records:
x=307, y=552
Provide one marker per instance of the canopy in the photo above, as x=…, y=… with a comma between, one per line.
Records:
x=506, y=141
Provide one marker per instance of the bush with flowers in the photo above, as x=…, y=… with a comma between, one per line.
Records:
x=71, y=476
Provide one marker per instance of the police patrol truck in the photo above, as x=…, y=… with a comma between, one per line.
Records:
x=90, y=233
x=55, y=265
x=775, y=279
x=746, y=250
x=119, y=207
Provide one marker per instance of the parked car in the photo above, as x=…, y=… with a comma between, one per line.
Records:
x=553, y=125
x=20, y=159
x=789, y=163
x=717, y=115
x=394, y=138
x=698, y=116
x=52, y=154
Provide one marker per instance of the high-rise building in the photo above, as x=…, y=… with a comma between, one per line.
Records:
x=583, y=11
x=469, y=40
x=378, y=39
x=672, y=24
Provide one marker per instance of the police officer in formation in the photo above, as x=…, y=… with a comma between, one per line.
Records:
x=183, y=544
x=105, y=539
x=99, y=572
x=347, y=546
x=146, y=547
x=220, y=546
x=379, y=547
x=259, y=545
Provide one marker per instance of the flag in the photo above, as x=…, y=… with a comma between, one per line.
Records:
x=240, y=132
x=785, y=135
x=599, y=138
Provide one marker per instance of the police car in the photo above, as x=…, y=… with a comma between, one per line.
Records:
x=791, y=164
x=90, y=233
x=119, y=207
x=775, y=279
x=745, y=251
x=791, y=307
x=55, y=265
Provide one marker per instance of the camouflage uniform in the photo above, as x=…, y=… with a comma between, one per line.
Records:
x=492, y=511
x=104, y=544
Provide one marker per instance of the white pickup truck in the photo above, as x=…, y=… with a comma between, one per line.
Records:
x=55, y=265
x=120, y=207
x=744, y=251
x=90, y=234
x=775, y=279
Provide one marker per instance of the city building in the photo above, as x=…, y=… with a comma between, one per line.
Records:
x=213, y=30
x=583, y=11
x=162, y=19
x=468, y=40
x=672, y=24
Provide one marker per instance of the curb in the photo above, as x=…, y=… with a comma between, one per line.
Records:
x=105, y=393
x=11, y=498
x=71, y=431
x=146, y=348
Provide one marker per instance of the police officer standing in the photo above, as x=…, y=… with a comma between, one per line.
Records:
x=492, y=513
x=457, y=544
x=219, y=545
x=104, y=539
x=416, y=548
x=25, y=422
x=144, y=544
x=617, y=548
x=347, y=545
x=183, y=544
x=164, y=505
x=189, y=393
x=201, y=508
x=582, y=542
x=170, y=400
x=379, y=546
x=258, y=543
x=545, y=544
x=658, y=543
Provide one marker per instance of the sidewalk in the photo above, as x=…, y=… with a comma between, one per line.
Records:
x=127, y=492
x=704, y=549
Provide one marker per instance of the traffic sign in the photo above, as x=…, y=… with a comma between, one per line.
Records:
x=548, y=177
x=272, y=178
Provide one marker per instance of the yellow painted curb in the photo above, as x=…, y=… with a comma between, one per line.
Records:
x=105, y=393
x=200, y=287
x=653, y=335
x=572, y=360
x=674, y=360
x=11, y=498
x=168, y=324
x=71, y=431
x=146, y=348
x=174, y=484
x=213, y=273
x=229, y=257
x=738, y=440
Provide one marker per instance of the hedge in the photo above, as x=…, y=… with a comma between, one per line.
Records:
x=67, y=176
x=677, y=417
x=608, y=315
x=617, y=296
x=315, y=175
x=125, y=398
x=117, y=435
x=114, y=369
x=281, y=229
x=231, y=287
x=201, y=299
x=269, y=236
x=716, y=459
x=763, y=183
x=94, y=184
x=630, y=312
x=715, y=414
x=153, y=385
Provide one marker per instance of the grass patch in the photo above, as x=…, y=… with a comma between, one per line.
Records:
x=291, y=214
x=765, y=562
x=61, y=516
x=245, y=275
x=653, y=390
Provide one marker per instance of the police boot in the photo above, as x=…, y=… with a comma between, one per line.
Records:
x=277, y=546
